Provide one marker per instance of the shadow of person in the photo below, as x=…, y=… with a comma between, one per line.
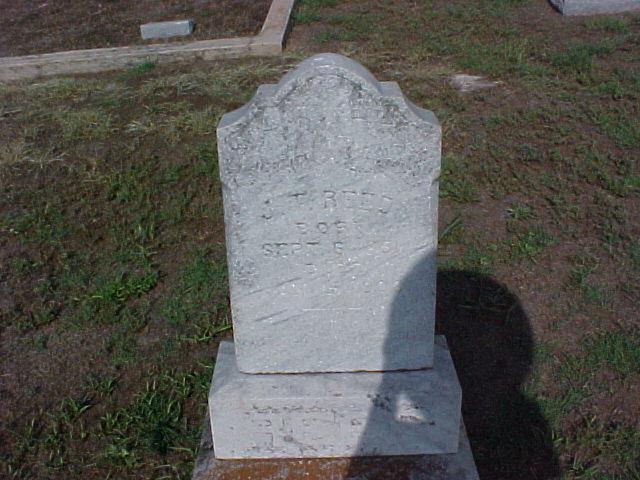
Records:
x=491, y=344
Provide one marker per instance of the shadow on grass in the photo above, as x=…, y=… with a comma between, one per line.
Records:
x=492, y=347
x=490, y=340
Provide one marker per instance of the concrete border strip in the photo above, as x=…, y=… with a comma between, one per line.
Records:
x=269, y=42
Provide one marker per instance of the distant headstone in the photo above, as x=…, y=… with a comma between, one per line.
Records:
x=330, y=196
x=175, y=28
x=593, y=7
x=470, y=83
x=330, y=193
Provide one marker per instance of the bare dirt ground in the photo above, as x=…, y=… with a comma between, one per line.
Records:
x=45, y=26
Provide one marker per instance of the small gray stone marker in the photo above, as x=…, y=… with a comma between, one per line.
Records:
x=593, y=7
x=330, y=194
x=470, y=83
x=175, y=28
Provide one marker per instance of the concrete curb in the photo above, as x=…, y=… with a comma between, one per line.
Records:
x=270, y=42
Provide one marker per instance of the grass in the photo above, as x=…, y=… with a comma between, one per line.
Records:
x=596, y=441
x=307, y=10
x=187, y=303
x=349, y=28
x=601, y=442
x=634, y=253
x=580, y=277
x=531, y=244
x=578, y=57
x=45, y=225
x=520, y=211
x=118, y=290
x=623, y=129
x=137, y=71
x=508, y=57
x=615, y=174
x=94, y=265
x=150, y=423
x=453, y=184
x=175, y=121
x=609, y=24
x=113, y=240
x=616, y=349
x=476, y=260
x=86, y=125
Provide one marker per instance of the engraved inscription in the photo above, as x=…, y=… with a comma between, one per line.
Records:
x=278, y=425
x=326, y=236
x=288, y=249
x=357, y=200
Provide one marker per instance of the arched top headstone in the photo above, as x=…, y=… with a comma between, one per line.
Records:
x=330, y=196
x=337, y=103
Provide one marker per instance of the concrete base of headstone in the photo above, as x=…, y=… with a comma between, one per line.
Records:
x=334, y=414
x=593, y=7
x=453, y=466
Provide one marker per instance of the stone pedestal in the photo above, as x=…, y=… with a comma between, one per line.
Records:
x=334, y=414
x=453, y=466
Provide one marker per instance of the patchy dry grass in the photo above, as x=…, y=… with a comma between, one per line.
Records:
x=115, y=258
x=112, y=269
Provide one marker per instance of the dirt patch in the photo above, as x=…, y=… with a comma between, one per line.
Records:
x=44, y=26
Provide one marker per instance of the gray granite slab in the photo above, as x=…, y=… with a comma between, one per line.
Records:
x=453, y=466
x=330, y=196
x=175, y=28
x=592, y=7
x=334, y=414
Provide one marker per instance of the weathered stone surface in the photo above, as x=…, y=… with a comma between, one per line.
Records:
x=330, y=196
x=175, y=28
x=453, y=466
x=334, y=414
x=592, y=7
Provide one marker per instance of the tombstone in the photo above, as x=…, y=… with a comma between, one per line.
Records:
x=330, y=192
x=330, y=198
x=594, y=7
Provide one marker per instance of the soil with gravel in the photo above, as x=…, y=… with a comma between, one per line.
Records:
x=45, y=26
